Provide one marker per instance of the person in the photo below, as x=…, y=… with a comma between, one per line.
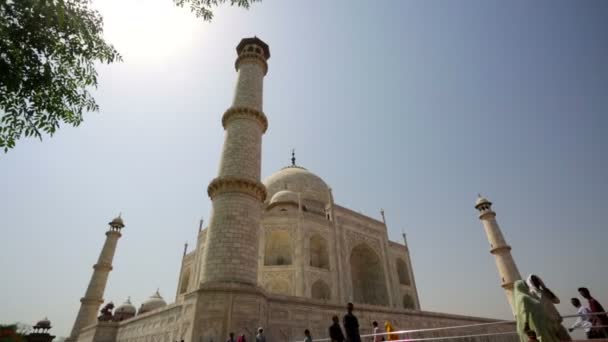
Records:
x=548, y=300
x=308, y=338
x=260, y=336
x=241, y=338
x=335, y=332
x=389, y=329
x=583, y=320
x=376, y=331
x=231, y=337
x=595, y=307
x=530, y=316
x=351, y=325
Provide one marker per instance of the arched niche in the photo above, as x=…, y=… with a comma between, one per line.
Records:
x=367, y=276
x=278, y=248
x=320, y=290
x=408, y=302
x=403, y=272
x=185, y=281
x=278, y=286
x=319, y=256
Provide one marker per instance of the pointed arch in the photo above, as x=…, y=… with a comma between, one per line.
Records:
x=320, y=290
x=367, y=275
x=278, y=248
x=319, y=256
x=408, y=302
x=403, y=272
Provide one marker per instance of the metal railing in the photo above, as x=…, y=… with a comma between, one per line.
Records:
x=410, y=334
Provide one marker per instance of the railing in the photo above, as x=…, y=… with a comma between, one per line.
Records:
x=477, y=332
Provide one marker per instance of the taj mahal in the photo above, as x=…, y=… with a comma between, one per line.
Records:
x=281, y=253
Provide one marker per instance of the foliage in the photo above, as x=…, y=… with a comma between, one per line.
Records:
x=202, y=8
x=10, y=333
x=47, y=53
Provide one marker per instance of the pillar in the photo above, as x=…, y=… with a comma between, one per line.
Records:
x=237, y=194
x=93, y=298
x=507, y=269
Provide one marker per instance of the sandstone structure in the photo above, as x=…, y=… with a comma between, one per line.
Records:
x=279, y=254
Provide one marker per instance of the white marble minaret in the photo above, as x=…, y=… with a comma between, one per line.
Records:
x=93, y=297
x=507, y=270
x=237, y=194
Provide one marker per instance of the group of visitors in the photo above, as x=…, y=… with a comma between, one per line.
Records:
x=534, y=305
x=538, y=319
x=260, y=337
x=351, y=328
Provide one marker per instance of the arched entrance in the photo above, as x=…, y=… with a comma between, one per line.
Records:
x=408, y=302
x=318, y=252
x=402, y=271
x=320, y=290
x=278, y=248
x=367, y=276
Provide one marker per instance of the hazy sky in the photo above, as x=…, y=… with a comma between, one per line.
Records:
x=410, y=106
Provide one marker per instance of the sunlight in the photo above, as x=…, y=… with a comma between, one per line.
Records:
x=148, y=31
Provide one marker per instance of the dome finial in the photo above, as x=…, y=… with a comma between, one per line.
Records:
x=293, y=157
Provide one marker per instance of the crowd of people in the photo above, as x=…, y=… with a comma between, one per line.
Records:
x=538, y=319
x=350, y=334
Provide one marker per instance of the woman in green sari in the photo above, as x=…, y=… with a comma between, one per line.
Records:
x=531, y=316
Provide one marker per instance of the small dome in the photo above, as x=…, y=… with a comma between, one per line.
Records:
x=126, y=308
x=43, y=324
x=298, y=179
x=154, y=302
x=481, y=200
x=117, y=222
x=284, y=196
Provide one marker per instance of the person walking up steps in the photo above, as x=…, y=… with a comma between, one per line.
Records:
x=351, y=325
x=260, y=336
x=307, y=337
x=584, y=319
x=548, y=300
x=376, y=331
x=595, y=307
x=389, y=329
x=530, y=316
x=335, y=332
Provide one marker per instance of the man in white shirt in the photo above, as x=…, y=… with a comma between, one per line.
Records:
x=376, y=331
x=583, y=320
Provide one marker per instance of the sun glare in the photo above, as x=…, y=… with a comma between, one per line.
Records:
x=147, y=31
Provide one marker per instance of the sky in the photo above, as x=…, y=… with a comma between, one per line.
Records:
x=410, y=106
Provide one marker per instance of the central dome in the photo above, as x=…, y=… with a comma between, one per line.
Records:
x=298, y=179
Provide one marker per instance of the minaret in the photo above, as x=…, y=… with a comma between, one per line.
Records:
x=237, y=194
x=507, y=270
x=93, y=298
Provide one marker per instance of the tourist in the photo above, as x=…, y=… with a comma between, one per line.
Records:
x=308, y=338
x=335, y=332
x=260, y=336
x=584, y=319
x=548, y=300
x=389, y=329
x=241, y=338
x=376, y=331
x=530, y=316
x=596, y=307
x=351, y=325
x=231, y=337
